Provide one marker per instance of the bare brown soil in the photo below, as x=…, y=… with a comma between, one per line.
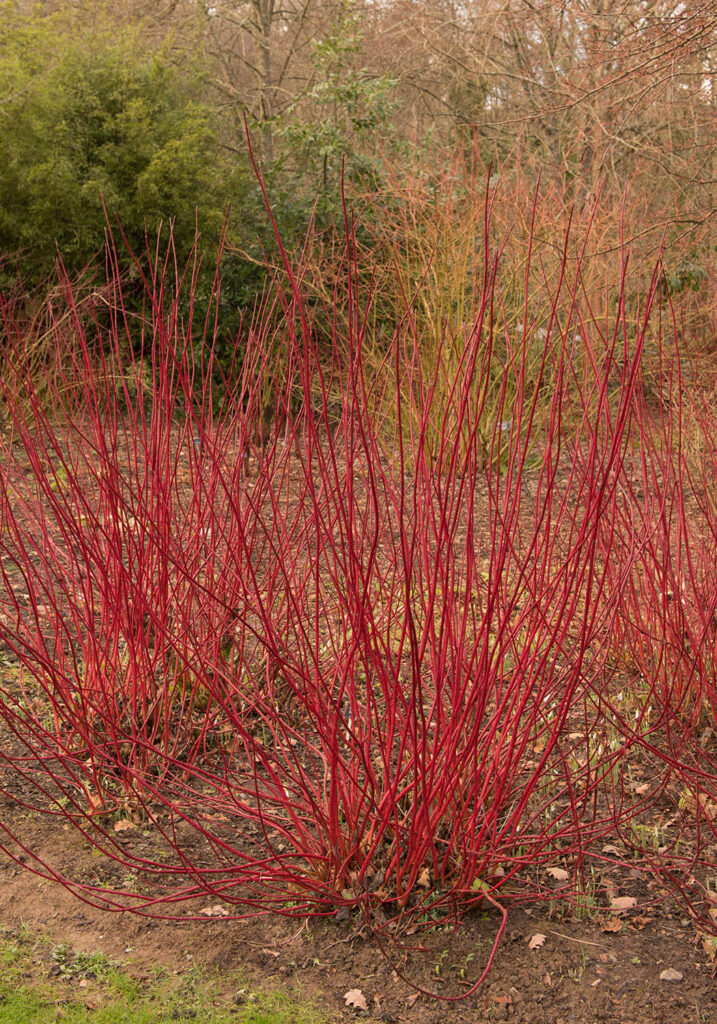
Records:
x=583, y=972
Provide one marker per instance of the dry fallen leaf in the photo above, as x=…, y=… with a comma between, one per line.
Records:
x=559, y=874
x=355, y=997
x=413, y=999
x=124, y=825
x=611, y=849
x=216, y=911
x=700, y=802
x=613, y=925
x=622, y=903
x=536, y=940
x=709, y=945
x=424, y=879
x=639, y=922
x=671, y=975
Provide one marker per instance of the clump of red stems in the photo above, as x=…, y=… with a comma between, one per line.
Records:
x=663, y=530
x=667, y=626
x=326, y=668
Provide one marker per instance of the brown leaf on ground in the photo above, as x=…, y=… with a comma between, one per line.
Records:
x=622, y=903
x=670, y=974
x=424, y=879
x=638, y=923
x=355, y=997
x=559, y=874
x=537, y=941
x=709, y=945
x=701, y=803
x=216, y=911
x=613, y=925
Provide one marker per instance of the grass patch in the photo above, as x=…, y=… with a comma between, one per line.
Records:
x=92, y=988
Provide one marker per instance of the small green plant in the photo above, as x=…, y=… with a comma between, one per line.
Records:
x=577, y=972
x=586, y=902
x=440, y=963
x=462, y=968
x=646, y=837
x=82, y=965
x=10, y=954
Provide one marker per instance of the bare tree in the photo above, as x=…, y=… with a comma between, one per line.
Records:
x=591, y=91
x=262, y=52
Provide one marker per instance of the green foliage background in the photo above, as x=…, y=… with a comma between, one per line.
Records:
x=95, y=118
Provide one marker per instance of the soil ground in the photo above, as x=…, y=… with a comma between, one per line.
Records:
x=582, y=973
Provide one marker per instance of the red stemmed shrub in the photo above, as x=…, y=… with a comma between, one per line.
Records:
x=658, y=549
x=667, y=625
x=326, y=663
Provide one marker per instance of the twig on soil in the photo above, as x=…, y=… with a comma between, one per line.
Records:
x=570, y=938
